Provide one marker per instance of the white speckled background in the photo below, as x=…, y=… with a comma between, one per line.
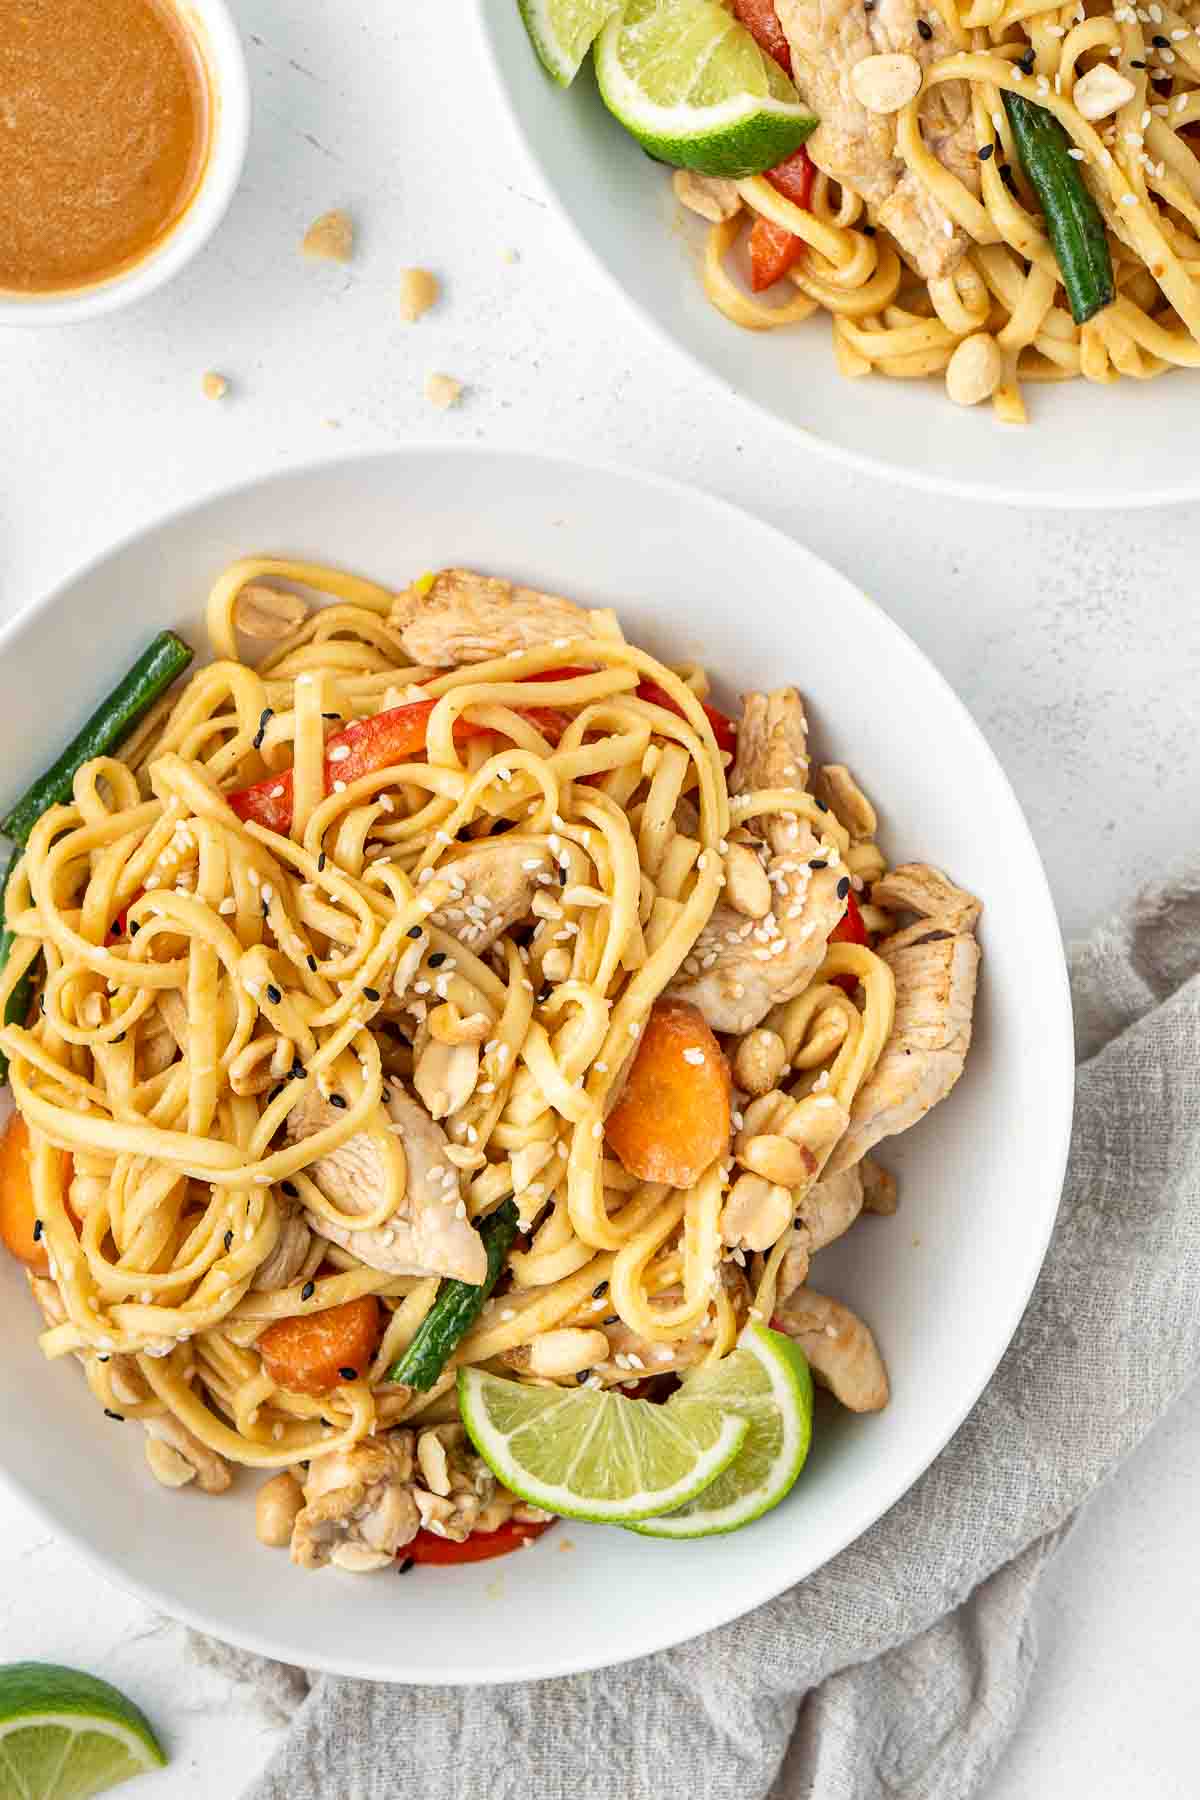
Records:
x=1074, y=641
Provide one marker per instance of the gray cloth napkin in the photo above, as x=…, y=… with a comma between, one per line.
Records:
x=898, y=1671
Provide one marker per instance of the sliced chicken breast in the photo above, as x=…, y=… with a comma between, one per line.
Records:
x=467, y=618
x=936, y=971
x=857, y=147
x=427, y=1236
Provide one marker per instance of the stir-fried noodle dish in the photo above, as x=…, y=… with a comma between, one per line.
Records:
x=1005, y=190
x=434, y=981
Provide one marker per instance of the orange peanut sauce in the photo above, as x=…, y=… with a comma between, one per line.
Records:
x=104, y=129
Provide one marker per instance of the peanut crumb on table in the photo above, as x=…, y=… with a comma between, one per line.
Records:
x=215, y=386
x=443, y=391
x=330, y=238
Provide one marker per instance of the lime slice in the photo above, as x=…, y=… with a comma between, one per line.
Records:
x=65, y=1735
x=563, y=31
x=767, y=1383
x=592, y=1455
x=695, y=90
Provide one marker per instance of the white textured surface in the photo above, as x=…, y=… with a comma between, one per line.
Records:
x=1074, y=642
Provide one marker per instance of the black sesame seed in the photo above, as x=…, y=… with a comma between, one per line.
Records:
x=843, y=887
x=37, y=1231
x=312, y=963
x=266, y=910
x=821, y=806
x=414, y=931
x=273, y=994
x=437, y=958
x=308, y=1290
x=134, y=928
x=868, y=231
x=103, y=1358
x=229, y=1240
x=264, y=719
x=1136, y=65
x=331, y=715
x=544, y=993
x=339, y=1101
x=290, y=1189
x=296, y=1072
x=41, y=1002
x=987, y=152
x=581, y=1375
x=925, y=29
x=348, y=1374
x=1160, y=42
x=321, y=861
x=405, y=1564
x=818, y=862
x=597, y=1291
x=611, y=1320
x=371, y=993
x=120, y=1038
x=1025, y=62
x=110, y=1414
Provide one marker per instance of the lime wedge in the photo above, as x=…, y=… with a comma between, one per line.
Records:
x=767, y=1383
x=695, y=90
x=563, y=31
x=592, y=1455
x=65, y=1735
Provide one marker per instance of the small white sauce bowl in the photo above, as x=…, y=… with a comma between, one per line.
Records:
x=212, y=24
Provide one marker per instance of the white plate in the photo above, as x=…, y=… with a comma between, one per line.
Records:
x=943, y=1283
x=1131, y=444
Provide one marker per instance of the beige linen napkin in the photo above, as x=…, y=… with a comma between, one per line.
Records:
x=898, y=1671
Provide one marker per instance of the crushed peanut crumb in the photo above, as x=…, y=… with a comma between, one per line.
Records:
x=443, y=391
x=419, y=291
x=215, y=386
x=330, y=238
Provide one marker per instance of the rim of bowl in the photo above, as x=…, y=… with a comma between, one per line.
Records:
x=1067, y=500
x=212, y=24
x=1057, y=1019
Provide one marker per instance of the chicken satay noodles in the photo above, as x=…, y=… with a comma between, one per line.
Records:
x=438, y=989
x=997, y=193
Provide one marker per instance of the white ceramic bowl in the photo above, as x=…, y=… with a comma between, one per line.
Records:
x=1131, y=444
x=943, y=1284
x=212, y=24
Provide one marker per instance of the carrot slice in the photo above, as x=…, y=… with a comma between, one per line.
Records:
x=312, y=1355
x=18, y=1216
x=673, y=1119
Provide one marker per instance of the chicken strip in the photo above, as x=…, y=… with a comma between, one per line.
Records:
x=740, y=968
x=857, y=147
x=935, y=972
x=495, y=882
x=359, y=1506
x=772, y=752
x=828, y=1209
x=467, y=618
x=427, y=1236
x=840, y=1349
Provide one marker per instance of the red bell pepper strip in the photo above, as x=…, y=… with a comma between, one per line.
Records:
x=773, y=249
x=794, y=177
x=762, y=22
x=849, y=929
x=481, y=1546
x=724, y=729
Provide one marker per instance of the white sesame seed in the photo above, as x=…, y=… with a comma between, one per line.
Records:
x=339, y=753
x=694, y=1055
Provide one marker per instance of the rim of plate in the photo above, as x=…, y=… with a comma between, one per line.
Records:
x=1057, y=1021
x=904, y=476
